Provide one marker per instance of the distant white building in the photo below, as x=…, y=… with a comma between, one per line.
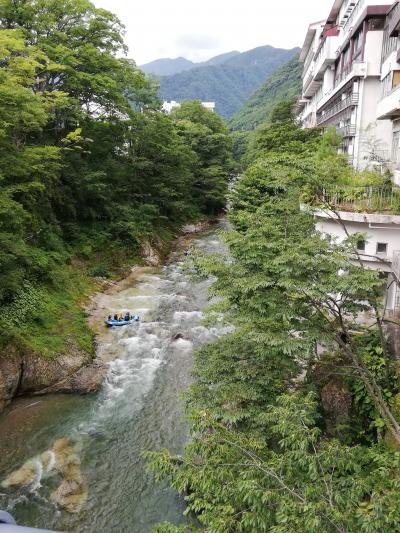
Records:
x=169, y=106
x=209, y=105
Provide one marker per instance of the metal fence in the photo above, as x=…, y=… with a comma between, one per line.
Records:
x=360, y=199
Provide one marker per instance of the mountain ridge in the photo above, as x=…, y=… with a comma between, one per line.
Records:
x=228, y=83
x=283, y=84
x=167, y=66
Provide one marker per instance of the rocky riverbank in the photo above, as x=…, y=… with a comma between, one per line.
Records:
x=24, y=373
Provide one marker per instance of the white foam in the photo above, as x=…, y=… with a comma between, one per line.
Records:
x=182, y=316
x=52, y=461
x=36, y=483
x=183, y=344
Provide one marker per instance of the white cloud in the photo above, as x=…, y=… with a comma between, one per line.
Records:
x=200, y=30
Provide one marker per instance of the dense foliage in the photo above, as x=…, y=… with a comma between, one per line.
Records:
x=88, y=163
x=282, y=85
x=229, y=83
x=208, y=137
x=294, y=414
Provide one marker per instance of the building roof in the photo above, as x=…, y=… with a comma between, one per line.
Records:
x=334, y=11
x=312, y=30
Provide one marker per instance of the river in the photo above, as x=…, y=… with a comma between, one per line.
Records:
x=139, y=408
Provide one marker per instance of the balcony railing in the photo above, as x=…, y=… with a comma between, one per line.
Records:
x=308, y=61
x=385, y=200
x=308, y=81
x=347, y=24
x=343, y=75
x=394, y=22
x=347, y=131
x=350, y=101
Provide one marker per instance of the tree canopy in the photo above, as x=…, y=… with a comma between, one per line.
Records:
x=87, y=159
x=295, y=413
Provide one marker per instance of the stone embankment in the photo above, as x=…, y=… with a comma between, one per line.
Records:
x=23, y=374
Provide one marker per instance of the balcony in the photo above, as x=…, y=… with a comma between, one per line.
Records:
x=358, y=69
x=347, y=131
x=311, y=86
x=394, y=21
x=372, y=200
x=389, y=106
x=325, y=56
x=353, y=10
x=350, y=101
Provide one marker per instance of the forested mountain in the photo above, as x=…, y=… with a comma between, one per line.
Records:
x=228, y=84
x=217, y=60
x=168, y=67
x=282, y=85
x=84, y=177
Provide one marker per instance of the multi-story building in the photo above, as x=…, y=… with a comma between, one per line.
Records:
x=388, y=107
x=342, y=77
x=351, y=81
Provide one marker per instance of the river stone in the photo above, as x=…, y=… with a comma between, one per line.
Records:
x=71, y=493
x=22, y=477
x=10, y=375
x=150, y=256
x=195, y=228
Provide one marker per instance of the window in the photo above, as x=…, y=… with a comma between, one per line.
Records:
x=389, y=44
x=396, y=143
x=381, y=248
x=387, y=84
x=346, y=57
x=396, y=78
x=361, y=245
x=358, y=41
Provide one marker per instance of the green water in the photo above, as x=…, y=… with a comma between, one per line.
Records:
x=138, y=409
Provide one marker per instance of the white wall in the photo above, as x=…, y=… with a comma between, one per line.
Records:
x=374, y=235
x=373, y=47
x=381, y=130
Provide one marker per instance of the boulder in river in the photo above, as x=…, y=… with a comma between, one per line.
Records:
x=63, y=460
x=71, y=493
x=23, y=477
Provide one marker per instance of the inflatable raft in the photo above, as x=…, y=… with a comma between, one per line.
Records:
x=118, y=323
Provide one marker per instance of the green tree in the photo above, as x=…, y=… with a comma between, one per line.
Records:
x=259, y=459
x=207, y=135
x=87, y=159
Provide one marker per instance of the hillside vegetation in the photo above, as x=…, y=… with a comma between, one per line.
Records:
x=229, y=83
x=85, y=178
x=282, y=85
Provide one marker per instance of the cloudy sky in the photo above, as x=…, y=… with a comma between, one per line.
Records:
x=199, y=30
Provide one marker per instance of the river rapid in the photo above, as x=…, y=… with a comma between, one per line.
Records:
x=139, y=408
